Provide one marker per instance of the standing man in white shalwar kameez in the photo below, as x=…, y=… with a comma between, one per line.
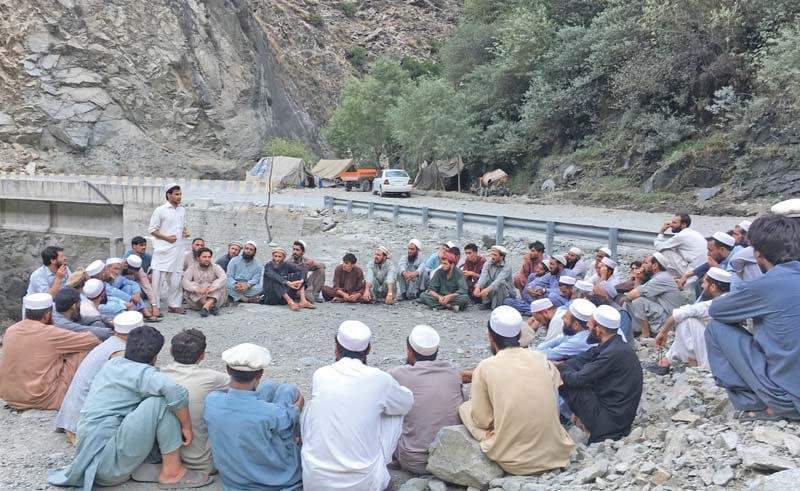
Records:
x=168, y=227
x=353, y=420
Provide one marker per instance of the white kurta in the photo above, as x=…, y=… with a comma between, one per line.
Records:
x=350, y=427
x=690, y=330
x=169, y=220
x=685, y=250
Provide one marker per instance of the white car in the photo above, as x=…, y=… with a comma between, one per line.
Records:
x=392, y=181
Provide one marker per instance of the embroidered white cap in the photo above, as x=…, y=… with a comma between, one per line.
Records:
x=581, y=309
x=353, y=335
x=505, y=321
x=424, y=340
x=127, y=321
x=37, y=301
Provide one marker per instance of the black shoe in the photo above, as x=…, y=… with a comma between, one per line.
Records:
x=658, y=369
x=485, y=306
x=215, y=310
x=204, y=312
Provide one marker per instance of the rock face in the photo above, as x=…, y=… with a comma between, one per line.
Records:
x=457, y=458
x=187, y=80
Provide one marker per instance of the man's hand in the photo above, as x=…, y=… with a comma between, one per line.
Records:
x=443, y=300
x=136, y=298
x=186, y=433
x=538, y=292
x=466, y=376
x=682, y=282
x=665, y=227
x=171, y=239
x=294, y=285
x=186, y=234
x=389, y=298
x=367, y=296
x=130, y=306
x=533, y=323
x=240, y=287
x=713, y=263
x=661, y=339
x=61, y=272
x=300, y=402
x=476, y=292
x=311, y=263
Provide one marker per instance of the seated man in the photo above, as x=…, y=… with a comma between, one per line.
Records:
x=131, y=408
x=253, y=426
x=313, y=271
x=284, y=283
x=744, y=267
x=39, y=359
x=740, y=233
x=719, y=248
x=234, y=248
x=603, y=386
x=430, y=265
x=133, y=270
x=651, y=303
x=573, y=341
x=690, y=323
x=245, y=275
x=52, y=274
x=379, y=279
x=545, y=315
x=123, y=288
x=530, y=263
x=436, y=386
x=113, y=302
x=204, y=284
x=188, y=349
x=538, y=280
x=472, y=267
x=114, y=346
x=348, y=282
x=447, y=289
x=576, y=263
x=506, y=390
x=564, y=292
x=353, y=420
x=190, y=257
x=593, y=268
x=495, y=284
x=685, y=250
x=408, y=275
x=94, y=292
x=67, y=315
x=759, y=370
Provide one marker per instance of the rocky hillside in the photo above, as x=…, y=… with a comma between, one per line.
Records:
x=186, y=86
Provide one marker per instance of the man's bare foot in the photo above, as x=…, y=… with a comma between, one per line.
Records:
x=294, y=307
x=308, y=305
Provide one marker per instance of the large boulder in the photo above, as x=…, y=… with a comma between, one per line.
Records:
x=457, y=458
x=784, y=481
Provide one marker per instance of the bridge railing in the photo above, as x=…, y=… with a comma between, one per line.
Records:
x=551, y=229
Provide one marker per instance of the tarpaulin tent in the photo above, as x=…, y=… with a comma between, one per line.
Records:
x=286, y=171
x=330, y=169
x=432, y=176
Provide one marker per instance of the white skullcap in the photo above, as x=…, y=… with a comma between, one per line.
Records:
x=505, y=321
x=541, y=304
x=720, y=275
x=416, y=243
x=502, y=250
x=424, y=340
x=113, y=260
x=745, y=225
x=560, y=258
x=607, y=316
x=576, y=251
x=384, y=250
x=37, y=301
x=247, y=357
x=584, y=286
x=252, y=243
x=546, y=265
x=449, y=244
x=662, y=259
x=605, y=250
x=567, y=280
x=302, y=244
x=134, y=261
x=746, y=255
x=789, y=208
x=93, y=288
x=170, y=186
x=723, y=238
x=353, y=335
x=127, y=321
x=95, y=268
x=581, y=309
x=609, y=262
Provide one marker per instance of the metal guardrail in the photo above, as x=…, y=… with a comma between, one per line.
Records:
x=615, y=236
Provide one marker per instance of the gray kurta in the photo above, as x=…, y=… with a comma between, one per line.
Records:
x=500, y=279
x=409, y=288
x=659, y=297
x=380, y=276
x=196, y=277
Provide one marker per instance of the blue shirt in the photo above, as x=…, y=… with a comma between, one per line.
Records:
x=563, y=347
x=42, y=279
x=146, y=259
x=253, y=441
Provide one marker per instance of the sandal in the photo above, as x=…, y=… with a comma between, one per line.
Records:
x=152, y=318
x=762, y=415
x=192, y=479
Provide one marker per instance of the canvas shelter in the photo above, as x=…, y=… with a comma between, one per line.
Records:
x=432, y=175
x=287, y=172
x=330, y=169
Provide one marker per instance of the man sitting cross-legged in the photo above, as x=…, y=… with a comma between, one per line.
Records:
x=188, y=349
x=472, y=267
x=574, y=339
x=690, y=323
x=204, y=284
x=496, y=282
x=254, y=425
x=67, y=315
x=379, y=281
x=131, y=408
x=408, y=272
x=507, y=389
x=651, y=303
x=348, y=282
x=448, y=288
x=313, y=271
x=284, y=283
x=245, y=275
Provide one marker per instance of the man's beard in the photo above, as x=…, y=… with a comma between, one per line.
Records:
x=380, y=262
x=569, y=330
x=592, y=338
x=646, y=276
x=676, y=230
x=296, y=257
x=493, y=349
x=204, y=266
x=113, y=278
x=104, y=300
x=247, y=257
x=76, y=316
x=412, y=258
x=571, y=264
x=706, y=296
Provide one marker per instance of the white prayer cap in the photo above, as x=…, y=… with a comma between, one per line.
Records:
x=576, y=251
x=567, y=280
x=416, y=243
x=605, y=250
x=745, y=225
x=609, y=262
x=505, y=321
x=424, y=340
x=113, y=260
x=581, y=309
x=741, y=258
x=384, y=250
x=502, y=250
x=170, y=186
x=353, y=336
x=127, y=321
x=719, y=274
x=607, y=316
x=723, y=238
x=134, y=261
x=546, y=265
x=560, y=258
x=662, y=259
x=247, y=357
x=95, y=268
x=37, y=301
x=789, y=208
x=302, y=244
x=449, y=244
x=93, y=288
x=252, y=243
x=584, y=286
x=541, y=304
